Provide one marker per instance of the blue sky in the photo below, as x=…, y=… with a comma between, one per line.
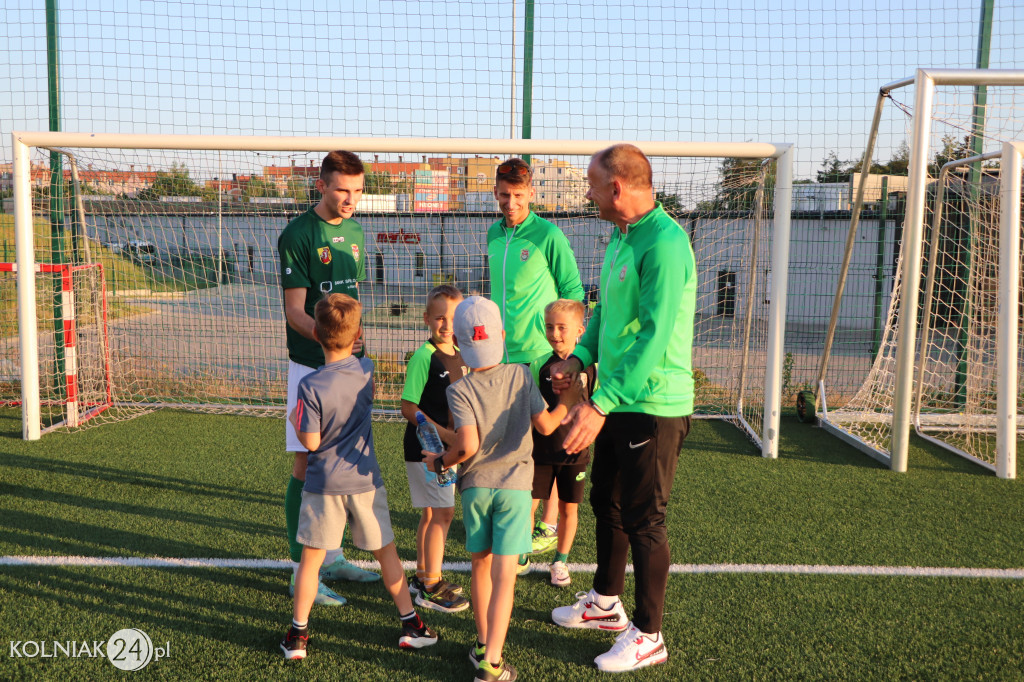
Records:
x=800, y=72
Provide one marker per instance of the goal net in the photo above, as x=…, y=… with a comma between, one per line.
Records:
x=960, y=370
x=73, y=353
x=935, y=367
x=187, y=238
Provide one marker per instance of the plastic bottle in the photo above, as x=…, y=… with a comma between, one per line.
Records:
x=431, y=442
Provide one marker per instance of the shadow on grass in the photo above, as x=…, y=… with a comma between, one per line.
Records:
x=810, y=443
x=54, y=466
x=30, y=533
x=931, y=457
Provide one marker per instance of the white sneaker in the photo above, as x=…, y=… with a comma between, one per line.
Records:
x=585, y=613
x=632, y=650
x=560, y=574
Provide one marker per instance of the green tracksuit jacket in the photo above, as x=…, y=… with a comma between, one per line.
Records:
x=642, y=329
x=531, y=265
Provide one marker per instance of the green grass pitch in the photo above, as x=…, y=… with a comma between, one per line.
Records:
x=173, y=484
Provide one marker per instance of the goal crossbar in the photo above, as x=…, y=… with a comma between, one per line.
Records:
x=782, y=154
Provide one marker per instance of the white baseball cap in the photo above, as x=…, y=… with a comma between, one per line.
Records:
x=478, y=332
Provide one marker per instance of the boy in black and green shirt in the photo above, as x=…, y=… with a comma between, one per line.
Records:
x=432, y=368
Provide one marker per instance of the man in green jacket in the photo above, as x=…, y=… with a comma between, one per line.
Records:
x=641, y=335
x=531, y=264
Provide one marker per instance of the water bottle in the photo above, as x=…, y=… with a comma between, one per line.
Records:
x=431, y=442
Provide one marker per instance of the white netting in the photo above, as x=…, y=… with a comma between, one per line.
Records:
x=958, y=361
x=957, y=385
x=188, y=242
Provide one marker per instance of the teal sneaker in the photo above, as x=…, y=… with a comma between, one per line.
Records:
x=325, y=596
x=343, y=569
x=521, y=567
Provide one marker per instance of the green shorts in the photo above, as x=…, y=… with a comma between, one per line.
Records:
x=497, y=520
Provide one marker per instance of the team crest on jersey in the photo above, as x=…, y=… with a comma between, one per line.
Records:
x=524, y=254
x=355, y=251
x=622, y=274
x=325, y=255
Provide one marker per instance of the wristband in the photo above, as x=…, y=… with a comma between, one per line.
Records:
x=597, y=409
x=439, y=465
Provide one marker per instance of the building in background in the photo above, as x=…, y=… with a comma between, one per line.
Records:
x=559, y=185
x=456, y=169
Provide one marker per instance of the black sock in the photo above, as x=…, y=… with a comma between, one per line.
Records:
x=300, y=629
x=412, y=619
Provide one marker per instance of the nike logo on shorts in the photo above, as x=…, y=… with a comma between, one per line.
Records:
x=634, y=446
x=443, y=374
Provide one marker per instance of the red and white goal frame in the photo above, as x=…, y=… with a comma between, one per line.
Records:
x=67, y=396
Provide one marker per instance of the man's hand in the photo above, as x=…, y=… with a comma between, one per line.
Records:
x=585, y=424
x=565, y=373
x=357, y=345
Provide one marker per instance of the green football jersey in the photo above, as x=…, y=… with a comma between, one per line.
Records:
x=320, y=258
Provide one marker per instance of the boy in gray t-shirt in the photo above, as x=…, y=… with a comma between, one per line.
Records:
x=343, y=481
x=494, y=407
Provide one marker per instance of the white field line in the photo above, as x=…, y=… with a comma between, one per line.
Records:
x=464, y=567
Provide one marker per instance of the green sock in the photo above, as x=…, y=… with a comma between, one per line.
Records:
x=524, y=559
x=561, y=557
x=292, y=502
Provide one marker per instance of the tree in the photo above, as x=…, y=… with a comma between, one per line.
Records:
x=834, y=170
x=299, y=188
x=669, y=202
x=738, y=183
x=899, y=164
x=258, y=186
x=952, y=149
x=173, y=183
x=377, y=182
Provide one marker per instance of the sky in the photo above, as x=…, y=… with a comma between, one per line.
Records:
x=804, y=72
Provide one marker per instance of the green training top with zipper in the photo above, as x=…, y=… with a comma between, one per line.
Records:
x=321, y=258
x=642, y=328
x=531, y=265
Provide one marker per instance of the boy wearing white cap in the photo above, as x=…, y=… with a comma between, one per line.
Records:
x=494, y=408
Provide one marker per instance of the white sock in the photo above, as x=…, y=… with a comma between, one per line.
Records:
x=604, y=601
x=333, y=555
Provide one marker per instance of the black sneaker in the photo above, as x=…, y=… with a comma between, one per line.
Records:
x=493, y=673
x=476, y=656
x=416, y=637
x=294, y=645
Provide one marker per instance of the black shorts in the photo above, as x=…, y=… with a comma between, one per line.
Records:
x=570, y=478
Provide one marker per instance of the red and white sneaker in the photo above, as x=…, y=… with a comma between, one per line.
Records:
x=632, y=650
x=585, y=613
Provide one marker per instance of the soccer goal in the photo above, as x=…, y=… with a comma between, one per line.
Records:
x=186, y=230
x=954, y=359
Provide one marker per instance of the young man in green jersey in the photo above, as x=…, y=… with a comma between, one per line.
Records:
x=322, y=252
x=531, y=264
x=641, y=336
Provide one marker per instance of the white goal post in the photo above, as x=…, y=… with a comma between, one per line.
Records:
x=207, y=289
x=878, y=419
